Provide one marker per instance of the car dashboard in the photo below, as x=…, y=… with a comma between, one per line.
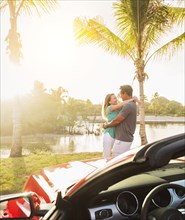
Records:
x=124, y=199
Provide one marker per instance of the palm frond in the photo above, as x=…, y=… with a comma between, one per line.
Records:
x=170, y=48
x=3, y=4
x=28, y=6
x=142, y=23
x=160, y=19
x=177, y=15
x=124, y=19
x=158, y=22
x=88, y=31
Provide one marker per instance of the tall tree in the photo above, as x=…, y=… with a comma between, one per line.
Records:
x=15, y=8
x=141, y=24
x=155, y=104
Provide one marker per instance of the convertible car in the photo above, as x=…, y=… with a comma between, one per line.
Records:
x=146, y=183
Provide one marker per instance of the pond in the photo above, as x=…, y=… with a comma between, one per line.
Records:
x=89, y=142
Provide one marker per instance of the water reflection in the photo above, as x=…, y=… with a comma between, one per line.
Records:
x=78, y=143
x=89, y=143
x=158, y=131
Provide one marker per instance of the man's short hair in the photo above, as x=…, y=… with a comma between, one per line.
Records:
x=126, y=89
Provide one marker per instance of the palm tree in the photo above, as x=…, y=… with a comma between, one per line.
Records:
x=141, y=24
x=16, y=7
x=155, y=103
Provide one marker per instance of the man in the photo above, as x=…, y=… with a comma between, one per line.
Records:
x=125, y=123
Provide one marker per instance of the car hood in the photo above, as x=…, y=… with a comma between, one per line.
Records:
x=51, y=179
x=47, y=182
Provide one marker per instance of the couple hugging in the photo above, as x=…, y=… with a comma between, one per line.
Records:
x=121, y=122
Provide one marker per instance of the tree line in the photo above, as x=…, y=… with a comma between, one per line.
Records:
x=55, y=112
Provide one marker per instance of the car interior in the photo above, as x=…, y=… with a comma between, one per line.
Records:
x=149, y=187
x=155, y=194
x=127, y=198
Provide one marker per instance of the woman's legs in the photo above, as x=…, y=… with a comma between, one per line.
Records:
x=108, y=143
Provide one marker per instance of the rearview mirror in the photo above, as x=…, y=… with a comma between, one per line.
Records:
x=17, y=206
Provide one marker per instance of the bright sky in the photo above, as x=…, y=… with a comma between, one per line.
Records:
x=52, y=56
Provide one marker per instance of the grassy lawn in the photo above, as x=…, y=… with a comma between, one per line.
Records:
x=15, y=171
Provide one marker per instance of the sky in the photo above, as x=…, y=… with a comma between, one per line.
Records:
x=53, y=57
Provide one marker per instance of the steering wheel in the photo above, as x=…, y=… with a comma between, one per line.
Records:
x=165, y=213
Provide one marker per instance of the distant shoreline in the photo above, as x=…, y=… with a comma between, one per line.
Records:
x=153, y=119
x=162, y=119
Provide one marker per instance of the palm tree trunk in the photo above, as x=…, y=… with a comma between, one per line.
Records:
x=14, y=46
x=16, y=150
x=140, y=74
x=142, y=130
x=13, y=37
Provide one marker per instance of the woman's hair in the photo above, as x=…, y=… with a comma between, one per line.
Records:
x=106, y=104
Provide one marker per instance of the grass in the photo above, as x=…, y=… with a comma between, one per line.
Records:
x=15, y=171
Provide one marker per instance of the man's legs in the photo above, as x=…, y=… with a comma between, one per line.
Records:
x=120, y=147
